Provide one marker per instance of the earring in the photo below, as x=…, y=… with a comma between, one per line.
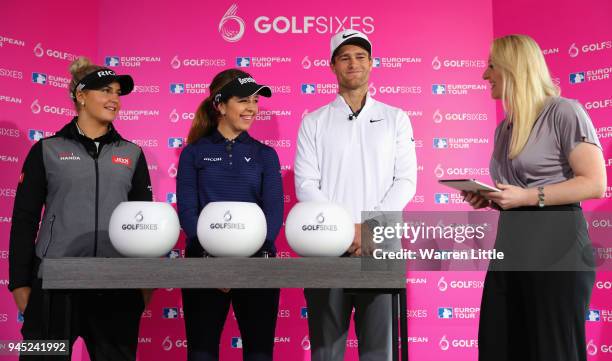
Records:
x=83, y=104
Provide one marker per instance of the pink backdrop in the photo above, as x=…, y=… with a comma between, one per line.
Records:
x=418, y=47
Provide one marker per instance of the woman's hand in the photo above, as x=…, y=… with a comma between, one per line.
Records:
x=22, y=296
x=513, y=196
x=476, y=200
x=147, y=294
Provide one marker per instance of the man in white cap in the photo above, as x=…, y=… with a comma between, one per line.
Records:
x=359, y=153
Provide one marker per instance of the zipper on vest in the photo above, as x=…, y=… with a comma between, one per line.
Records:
x=50, y=236
x=96, y=210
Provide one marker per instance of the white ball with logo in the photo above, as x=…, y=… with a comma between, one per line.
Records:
x=232, y=229
x=144, y=229
x=319, y=229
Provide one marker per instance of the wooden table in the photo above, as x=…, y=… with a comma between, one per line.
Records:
x=356, y=274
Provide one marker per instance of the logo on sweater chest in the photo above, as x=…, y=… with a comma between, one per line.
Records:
x=122, y=161
x=68, y=156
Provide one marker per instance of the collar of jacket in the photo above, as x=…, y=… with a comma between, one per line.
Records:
x=217, y=137
x=340, y=104
x=70, y=131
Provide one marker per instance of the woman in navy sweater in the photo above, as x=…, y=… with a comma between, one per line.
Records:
x=223, y=163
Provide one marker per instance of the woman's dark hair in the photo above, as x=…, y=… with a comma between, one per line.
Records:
x=207, y=115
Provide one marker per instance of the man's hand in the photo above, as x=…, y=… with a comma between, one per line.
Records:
x=355, y=248
x=22, y=296
x=367, y=241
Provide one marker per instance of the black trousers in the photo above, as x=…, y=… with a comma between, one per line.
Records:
x=108, y=321
x=534, y=303
x=205, y=311
x=534, y=316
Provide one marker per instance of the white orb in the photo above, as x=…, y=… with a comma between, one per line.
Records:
x=319, y=229
x=232, y=229
x=144, y=229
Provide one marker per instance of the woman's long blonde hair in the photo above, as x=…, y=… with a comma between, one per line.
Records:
x=526, y=84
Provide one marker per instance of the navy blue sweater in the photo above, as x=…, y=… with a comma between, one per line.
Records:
x=215, y=169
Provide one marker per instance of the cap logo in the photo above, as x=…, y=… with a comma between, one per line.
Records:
x=105, y=73
x=243, y=81
x=344, y=36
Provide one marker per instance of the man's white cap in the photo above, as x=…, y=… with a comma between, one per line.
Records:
x=350, y=36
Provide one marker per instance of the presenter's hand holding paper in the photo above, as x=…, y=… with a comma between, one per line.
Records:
x=513, y=196
x=472, y=191
x=476, y=200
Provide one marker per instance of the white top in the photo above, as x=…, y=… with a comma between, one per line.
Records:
x=364, y=164
x=83, y=134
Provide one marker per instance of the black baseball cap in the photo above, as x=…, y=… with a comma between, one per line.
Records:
x=103, y=77
x=242, y=87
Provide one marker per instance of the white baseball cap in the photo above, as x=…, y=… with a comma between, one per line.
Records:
x=350, y=36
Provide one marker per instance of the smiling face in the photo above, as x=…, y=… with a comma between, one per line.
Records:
x=101, y=104
x=352, y=65
x=237, y=114
x=495, y=78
